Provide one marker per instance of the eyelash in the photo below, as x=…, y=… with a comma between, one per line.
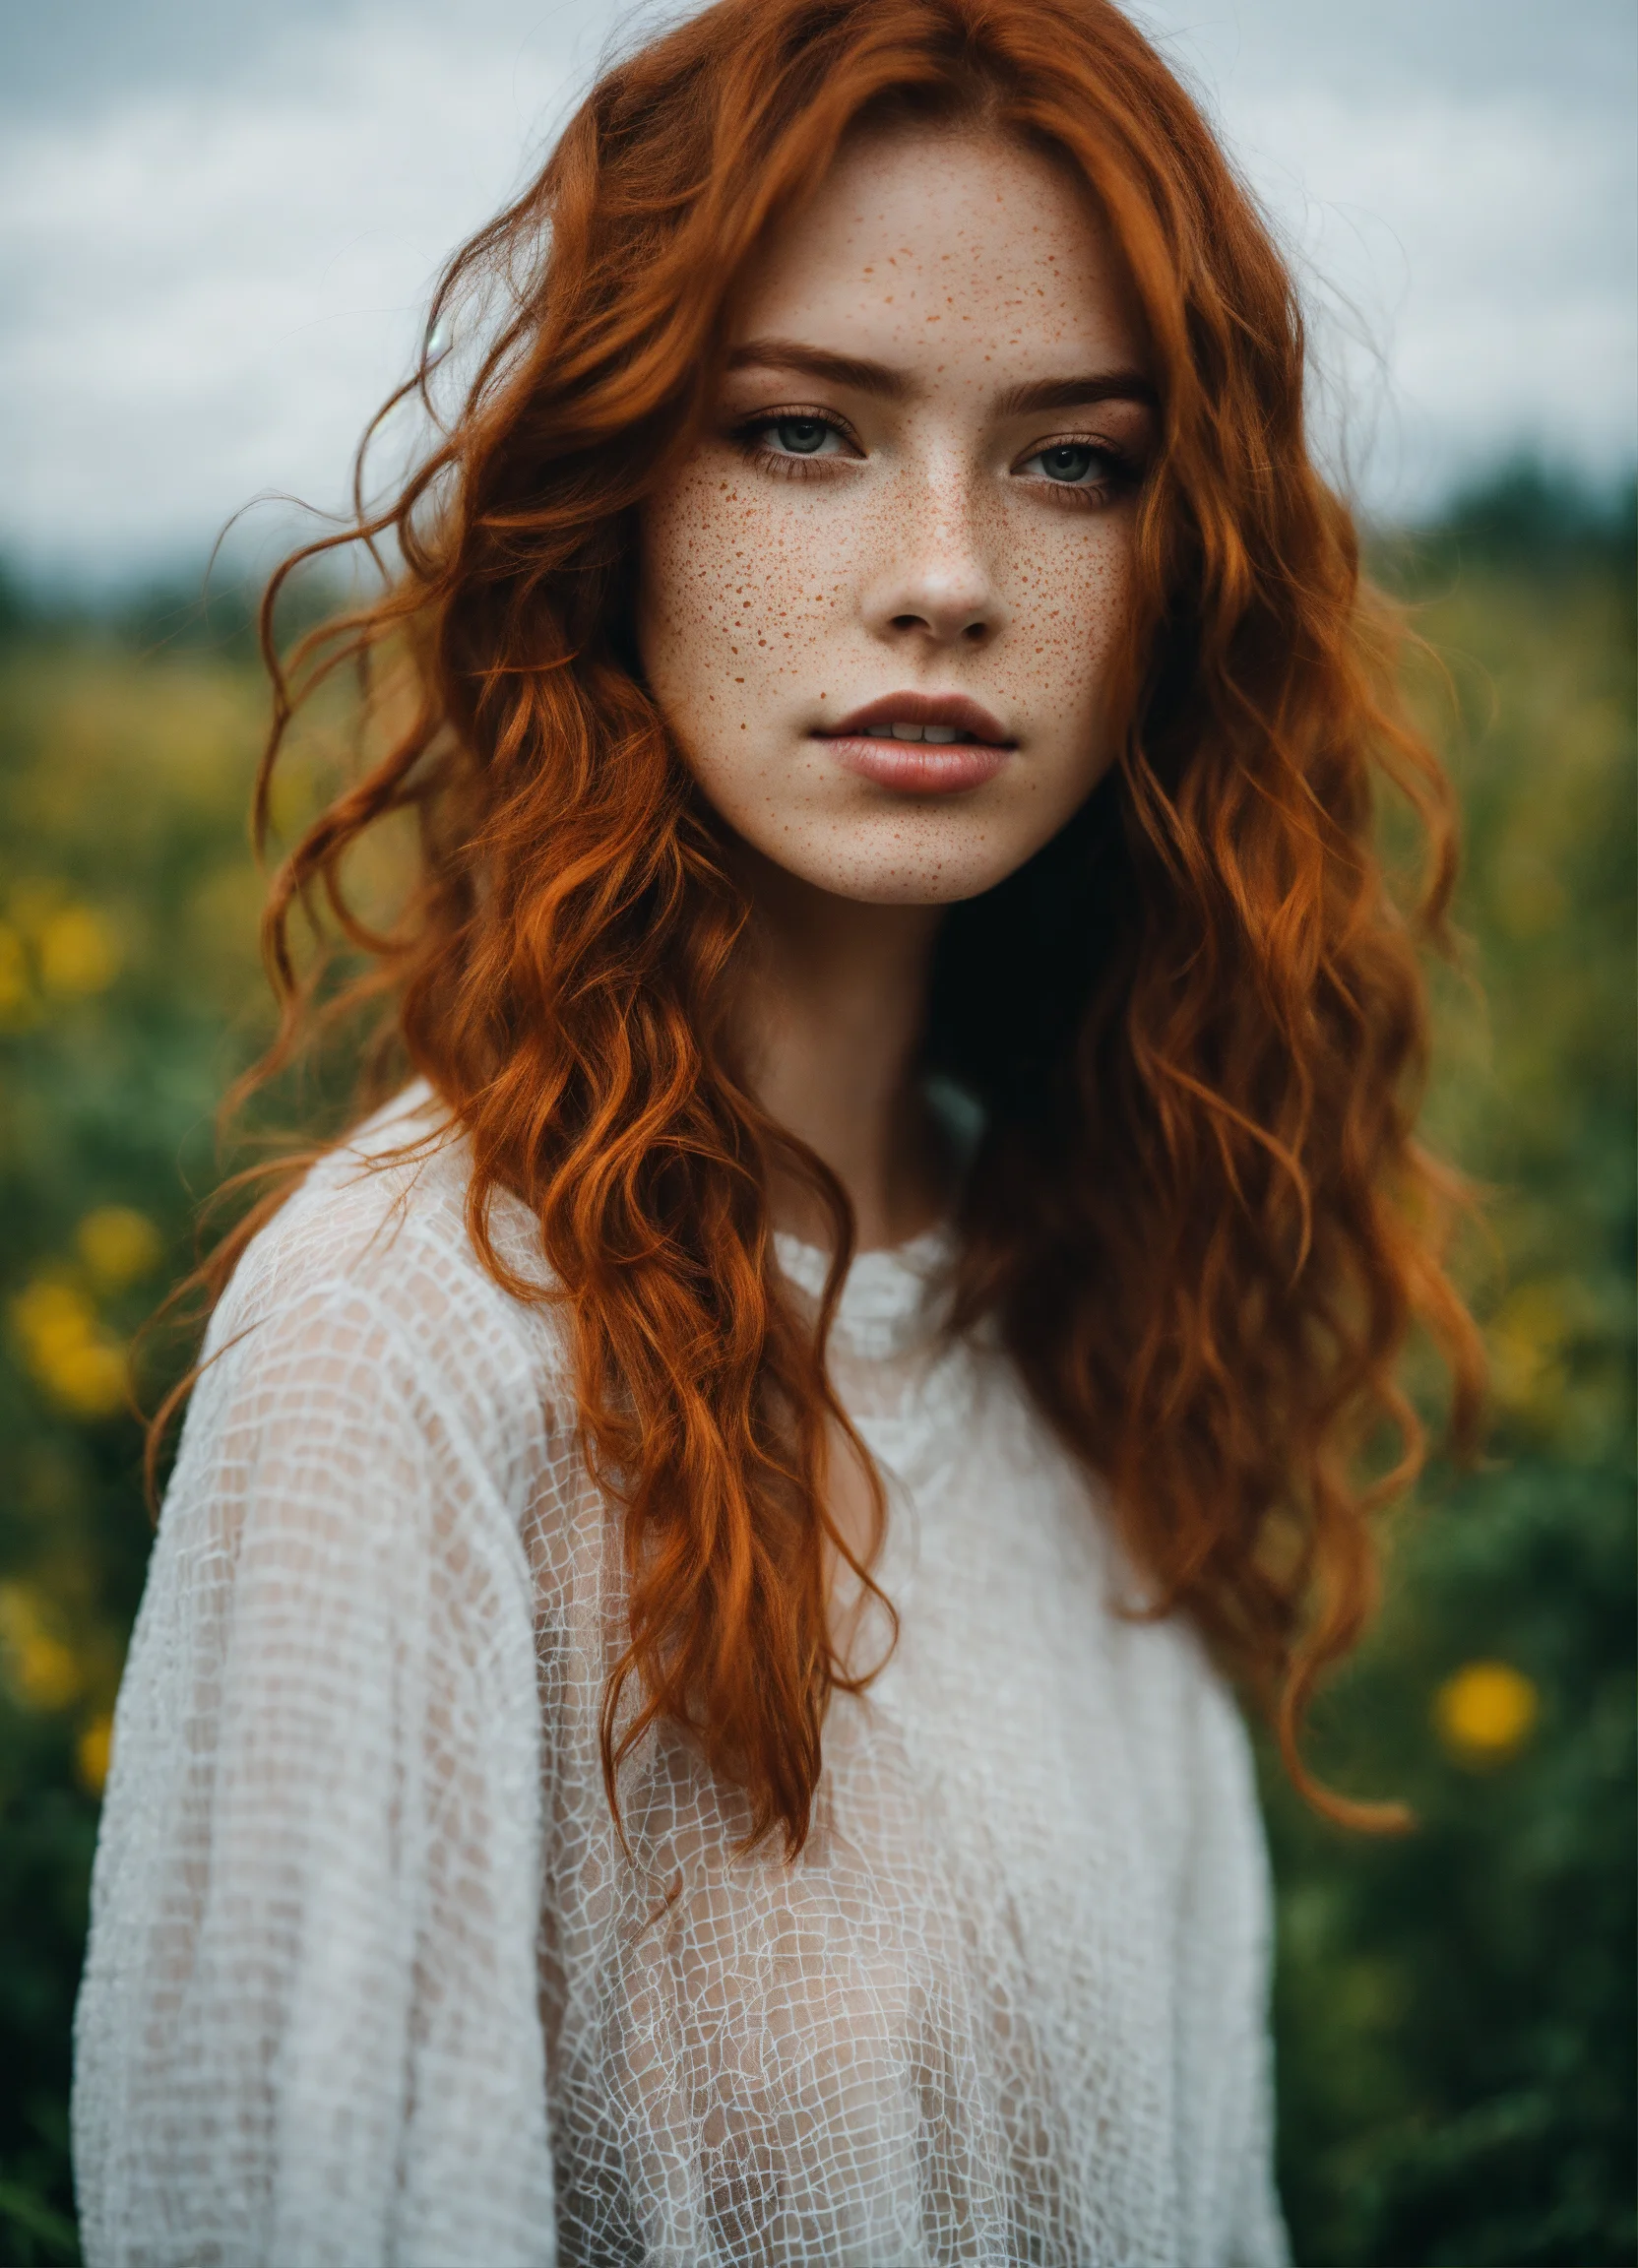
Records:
x=1122, y=476
x=785, y=465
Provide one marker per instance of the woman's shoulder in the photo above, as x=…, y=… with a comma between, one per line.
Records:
x=374, y=1417
x=378, y=1229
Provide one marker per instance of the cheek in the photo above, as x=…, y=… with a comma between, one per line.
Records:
x=685, y=600
x=1071, y=613
x=731, y=600
x=1077, y=621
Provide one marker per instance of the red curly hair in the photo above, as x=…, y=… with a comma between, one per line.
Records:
x=1194, y=1021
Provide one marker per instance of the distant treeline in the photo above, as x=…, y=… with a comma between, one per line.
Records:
x=1526, y=514
x=1521, y=513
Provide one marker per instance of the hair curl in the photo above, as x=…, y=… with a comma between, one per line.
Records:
x=1195, y=1020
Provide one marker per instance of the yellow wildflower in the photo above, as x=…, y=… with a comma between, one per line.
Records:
x=39, y=1669
x=93, y=1752
x=77, y=953
x=14, y=975
x=67, y=1349
x=117, y=1245
x=1486, y=1712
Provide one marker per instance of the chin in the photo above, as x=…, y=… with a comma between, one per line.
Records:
x=902, y=871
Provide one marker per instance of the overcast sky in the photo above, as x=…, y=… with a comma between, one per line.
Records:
x=218, y=223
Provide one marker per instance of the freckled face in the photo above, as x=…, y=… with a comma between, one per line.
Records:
x=880, y=600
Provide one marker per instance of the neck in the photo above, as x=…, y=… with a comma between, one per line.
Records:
x=830, y=1024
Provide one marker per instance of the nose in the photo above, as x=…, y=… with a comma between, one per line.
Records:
x=935, y=588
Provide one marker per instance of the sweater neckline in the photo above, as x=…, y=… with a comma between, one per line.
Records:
x=893, y=1298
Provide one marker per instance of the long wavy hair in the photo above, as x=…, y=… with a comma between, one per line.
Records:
x=1195, y=1023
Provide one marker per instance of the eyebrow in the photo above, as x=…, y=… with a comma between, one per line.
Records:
x=817, y=363
x=889, y=385
x=1072, y=393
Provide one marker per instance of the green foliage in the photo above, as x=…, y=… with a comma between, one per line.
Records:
x=127, y=958
x=1455, y=2007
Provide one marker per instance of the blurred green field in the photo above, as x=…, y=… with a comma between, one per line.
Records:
x=1455, y=2007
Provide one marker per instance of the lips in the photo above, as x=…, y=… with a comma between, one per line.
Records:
x=942, y=718
x=920, y=743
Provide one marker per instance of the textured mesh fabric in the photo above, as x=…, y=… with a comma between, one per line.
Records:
x=370, y=1979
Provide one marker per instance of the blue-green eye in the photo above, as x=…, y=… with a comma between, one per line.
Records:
x=801, y=436
x=1068, y=461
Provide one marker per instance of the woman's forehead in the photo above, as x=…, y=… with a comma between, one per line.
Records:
x=945, y=254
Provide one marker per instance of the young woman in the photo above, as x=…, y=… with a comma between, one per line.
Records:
x=681, y=1712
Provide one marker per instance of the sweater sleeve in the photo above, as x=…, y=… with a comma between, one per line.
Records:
x=308, y=2030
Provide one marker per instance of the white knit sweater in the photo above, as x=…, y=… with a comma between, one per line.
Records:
x=370, y=1980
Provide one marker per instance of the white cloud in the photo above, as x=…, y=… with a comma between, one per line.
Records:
x=1471, y=264
x=210, y=293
